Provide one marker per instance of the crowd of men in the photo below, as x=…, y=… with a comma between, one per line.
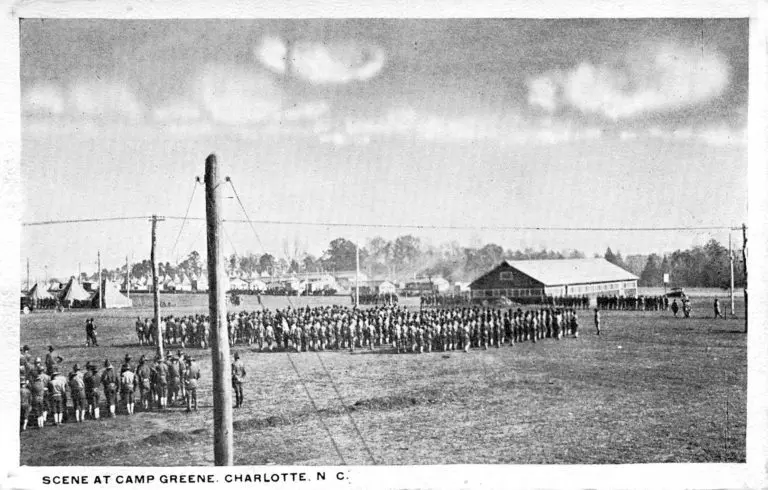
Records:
x=642, y=303
x=339, y=327
x=47, y=389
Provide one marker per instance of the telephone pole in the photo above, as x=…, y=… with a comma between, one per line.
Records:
x=127, y=279
x=217, y=284
x=730, y=260
x=357, y=273
x=27, y=274
x=744, y=257
x=98, y=264
x=155, y=293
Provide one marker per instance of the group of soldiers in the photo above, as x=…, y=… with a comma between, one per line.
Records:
x=340, y=327
x=185, y=331
x=47, y=389
x=642, y=303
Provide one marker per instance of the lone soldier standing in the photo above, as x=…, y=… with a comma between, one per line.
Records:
x=718, y=313
x=597, y=320
x=238, y=375
x=674, y=307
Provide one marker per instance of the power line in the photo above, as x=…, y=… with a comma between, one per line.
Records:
x=84, y=220
x=478, y=227
x=189, y=205
x=399, y=225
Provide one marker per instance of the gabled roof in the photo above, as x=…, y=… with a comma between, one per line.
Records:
x=557, y=272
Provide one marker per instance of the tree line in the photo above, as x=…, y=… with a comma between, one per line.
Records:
x=408, y=256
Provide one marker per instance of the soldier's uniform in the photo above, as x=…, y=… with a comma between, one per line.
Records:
x=174, y=379
x=161, y=382
x=191, y=378
x=25, y=397
x=238, y=377
x=77, y=390
x=128, y=383
x=37, y=394
x=57, y=387
x=597, y=321
x=110, y=382
x=144, y=375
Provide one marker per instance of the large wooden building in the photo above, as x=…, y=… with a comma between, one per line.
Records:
x=557, y=278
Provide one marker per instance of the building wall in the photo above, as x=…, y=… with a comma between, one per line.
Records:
x=505, y=281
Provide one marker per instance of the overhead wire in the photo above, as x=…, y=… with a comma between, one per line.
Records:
x=186, y=214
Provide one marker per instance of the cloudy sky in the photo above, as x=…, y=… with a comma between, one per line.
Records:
x=593, y=123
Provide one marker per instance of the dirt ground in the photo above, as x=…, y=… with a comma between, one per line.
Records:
x=651, y=389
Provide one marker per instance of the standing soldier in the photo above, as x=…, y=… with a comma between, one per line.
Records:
x=238, y=376
x=161, y=382
x=144, y=375
x=77, y=390
x=597, y=320
x=718, y=313
x=50, y=360
x=26, y=403
x=140, y=330
x=575, y=324
x=674, y=307
x=190, y=379
x=57, y=387
x=37, y=393
x=110, y=382
x=128, y=384
x=174, y=379
x=92, y=381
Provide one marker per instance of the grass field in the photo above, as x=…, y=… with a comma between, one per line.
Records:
x=652, y=389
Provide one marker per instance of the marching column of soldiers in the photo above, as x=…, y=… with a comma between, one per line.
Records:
x=641, y=303
x=46, y=389
x=340, y=328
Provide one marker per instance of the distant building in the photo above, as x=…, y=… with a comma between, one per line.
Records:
x=566, y=277
x=379, y=287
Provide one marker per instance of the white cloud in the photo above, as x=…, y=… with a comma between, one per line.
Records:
x=319, y=63
x=104, y=99
x=542, y=92
x=43, y=99
x=664, y=78
x=235, y=95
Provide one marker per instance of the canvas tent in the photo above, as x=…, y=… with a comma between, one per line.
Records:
x=38, y=293
x=113, y=298
x=73, y=293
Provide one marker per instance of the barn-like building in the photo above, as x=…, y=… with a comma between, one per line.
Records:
x=557, y=278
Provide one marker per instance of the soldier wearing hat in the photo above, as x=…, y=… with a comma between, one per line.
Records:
x=161, y=381
x=37, y=393
x=144, y=379
x=110, y=382
x=191, y=377
x=57, y=387
x=26, y=402
x=174, y=379
x=128, y=384
x=25, y=361
x=238, y=376
x=77, y=391
x=50, y=360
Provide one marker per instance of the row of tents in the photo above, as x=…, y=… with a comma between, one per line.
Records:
x=74, y=295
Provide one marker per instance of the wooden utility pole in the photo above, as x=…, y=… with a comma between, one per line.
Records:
x=155, y=293
x=744, y=257
x=127, y=278
x=217, y=284
x=98, y=264
x=730, y=260
x=27, y=274
x=357, y=273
